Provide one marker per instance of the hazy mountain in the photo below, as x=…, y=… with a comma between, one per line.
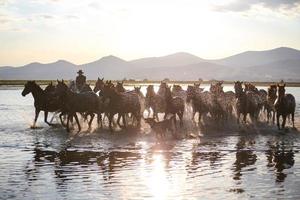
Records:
x=109, y=67
x=177, y=59
x=280, y=63
x=57, y=70
x=204, y=70
x=254, y=58
x=283, y=69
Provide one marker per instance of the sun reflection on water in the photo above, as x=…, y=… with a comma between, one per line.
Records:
x=157, y=181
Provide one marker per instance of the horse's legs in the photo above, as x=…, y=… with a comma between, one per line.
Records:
x=238, y=118
x=283, y=121
x=124, y=119
x=245, y=117
x=180, y=115
x=199, y=117
x=61, y=119
x=293, y=119
x=77, y=121
x=37, y=112
x=110, y=118
x=52, y=118
x=138, y=117
x=118, y=120
x=273, y=116
x=277, y=118
x=99, y=120
x=68, y=119
x=91, y=120
x=46, y=117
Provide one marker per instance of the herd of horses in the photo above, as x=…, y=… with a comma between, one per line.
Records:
x=108, y=100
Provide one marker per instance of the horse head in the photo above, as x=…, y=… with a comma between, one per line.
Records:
x=99, y=85
x=120, y=87
x=281, y=90
x=61, y=87
x=50, y=88
x=272, y=92
x=150, y=91
x=30, y=86
x=190, y=93
x=238, y=88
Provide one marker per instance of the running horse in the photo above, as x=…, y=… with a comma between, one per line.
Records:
x=284, y=106
x=44, y=100
x=86, y=102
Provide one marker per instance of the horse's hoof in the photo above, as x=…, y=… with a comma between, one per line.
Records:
x=33, y=127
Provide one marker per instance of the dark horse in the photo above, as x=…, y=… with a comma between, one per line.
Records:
x=247, y=103
x=86, y=102
x=284, y=105
x=174, y=105
x=44, y=100
x=121, y=103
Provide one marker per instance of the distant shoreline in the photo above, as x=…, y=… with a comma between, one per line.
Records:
x=142, y=82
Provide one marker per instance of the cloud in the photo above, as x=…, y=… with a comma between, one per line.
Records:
x=45, y=16
x=245, y=5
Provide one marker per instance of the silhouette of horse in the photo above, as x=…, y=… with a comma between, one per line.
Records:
x=271, y=98
x=201, y=101
x=121, y=103
x=223, y=101
x=120, y=87
x=155, y=101
x=247, y=103
x=99, y=85
x=284, y=105
x=262, y=95
x=86, y=102
x=177, y=91
x=86, y=88
x=43, y=100
x=174, y=105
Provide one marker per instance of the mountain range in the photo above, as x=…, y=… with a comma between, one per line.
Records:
x=268, y=65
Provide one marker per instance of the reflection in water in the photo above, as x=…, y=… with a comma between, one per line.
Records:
x=244, y=156
x=280, y=156
x=157, y=182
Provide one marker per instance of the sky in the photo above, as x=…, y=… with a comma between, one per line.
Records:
x=83, y=31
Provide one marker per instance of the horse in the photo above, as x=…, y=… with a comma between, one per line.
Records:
x=201, y=101
x=174, y=105
x=44, y=100
x=155, y=101
x=86, y=102
x=121, y=103
x=179, y=92
x=262, y=95
x=271, y=98
x=285, y=105
x=223, y=101
x=99, y=85
x=120, y=87
x=247, y=103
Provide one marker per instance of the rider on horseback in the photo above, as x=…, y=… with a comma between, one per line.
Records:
x=80, y=80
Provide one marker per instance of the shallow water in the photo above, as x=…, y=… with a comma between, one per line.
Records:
x=48, y=163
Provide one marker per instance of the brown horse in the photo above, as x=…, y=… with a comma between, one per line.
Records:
x=121, y=103
x=284, y=105
x=155, y=101
x=86, y=102
x=99, y=85
x=247, y=103
x=174, y=105
x=44, y=100
x=270, y=107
